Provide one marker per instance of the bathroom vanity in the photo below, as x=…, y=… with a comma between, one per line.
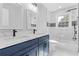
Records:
x=17, y=17
x=32, y=46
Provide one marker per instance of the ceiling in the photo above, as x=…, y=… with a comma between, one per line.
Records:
x=55, y=6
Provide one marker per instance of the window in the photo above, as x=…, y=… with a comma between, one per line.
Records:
x=63, y=21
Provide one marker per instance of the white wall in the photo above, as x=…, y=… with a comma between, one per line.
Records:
x=41, y=24
x=63, y=32
x=15, y=20
x=64, y=35
x=42, y=20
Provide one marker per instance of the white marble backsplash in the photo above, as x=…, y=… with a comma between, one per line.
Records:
x=9, y=33
x=5, y=33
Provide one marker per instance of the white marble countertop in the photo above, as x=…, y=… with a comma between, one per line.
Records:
x=5, y=42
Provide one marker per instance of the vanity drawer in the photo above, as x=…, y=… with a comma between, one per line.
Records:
x=43, y=39
x=33, y=52
x=25, y=50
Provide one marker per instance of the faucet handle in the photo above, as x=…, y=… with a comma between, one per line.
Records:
x=14, y=33
x=34, y=31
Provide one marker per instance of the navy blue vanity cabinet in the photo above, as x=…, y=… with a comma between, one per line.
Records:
x=44, y=45
x=28, y=51
x=35, y=47
x=18, y=49
x=40, y=50
x=46, y=48
x=32, y=52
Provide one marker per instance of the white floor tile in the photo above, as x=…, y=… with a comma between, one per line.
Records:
x=60, y=50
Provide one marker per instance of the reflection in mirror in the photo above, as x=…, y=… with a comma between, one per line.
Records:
x=63, y=21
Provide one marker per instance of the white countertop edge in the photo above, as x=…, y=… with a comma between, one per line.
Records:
x=10, y=42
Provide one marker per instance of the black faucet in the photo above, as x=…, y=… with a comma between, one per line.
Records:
x=34, y=31
x=14, y=33
x=75, y=32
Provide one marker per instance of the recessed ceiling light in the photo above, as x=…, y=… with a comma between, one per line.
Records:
x=60, y=7
x=32, y=7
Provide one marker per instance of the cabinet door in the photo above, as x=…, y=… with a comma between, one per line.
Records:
x=44, y=46
x=41, y=50
x=33, y=52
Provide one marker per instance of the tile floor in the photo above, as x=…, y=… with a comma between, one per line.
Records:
x=62, y=49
